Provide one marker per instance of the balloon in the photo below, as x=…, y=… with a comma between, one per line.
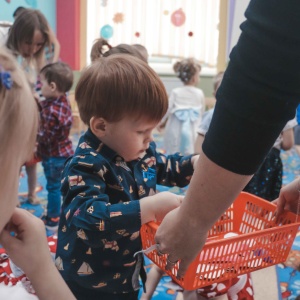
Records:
x=178, y=17
x=106, y=32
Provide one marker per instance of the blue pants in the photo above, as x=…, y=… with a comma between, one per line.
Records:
x=53, y=167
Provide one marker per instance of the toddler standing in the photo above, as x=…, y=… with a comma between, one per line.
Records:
x=109, y=185
x=54, y=145
x=186, y=106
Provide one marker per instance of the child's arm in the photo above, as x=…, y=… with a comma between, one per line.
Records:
x=157, y=206
x=199, y=142
x=173, y=170
x=288, y=139
x=55, y=42
x=287, y=135
x=30, y=238
x=153, y=278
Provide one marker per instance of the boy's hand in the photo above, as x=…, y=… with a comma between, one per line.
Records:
x=165, y=202
x=29, y=248
x=157, y=206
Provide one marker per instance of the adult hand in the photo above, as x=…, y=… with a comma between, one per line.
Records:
x=179, y=242
x=289, y=198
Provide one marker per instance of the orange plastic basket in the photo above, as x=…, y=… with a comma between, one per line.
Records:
x=259, y=243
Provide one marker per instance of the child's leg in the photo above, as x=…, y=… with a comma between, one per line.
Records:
x=153, y=278
x=32, y=182
x=53, y=167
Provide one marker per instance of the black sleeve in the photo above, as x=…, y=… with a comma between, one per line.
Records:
x=260, y=90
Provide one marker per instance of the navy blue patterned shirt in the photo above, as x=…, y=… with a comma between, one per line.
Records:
x=100, y=221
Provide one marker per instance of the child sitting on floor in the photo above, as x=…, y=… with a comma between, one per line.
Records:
x=109, y=186
x=54, y=145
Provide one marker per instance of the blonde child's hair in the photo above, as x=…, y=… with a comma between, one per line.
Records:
x=61, y=74
x=101, y=48
x=18, y=124
x=186, y=69
x=23, y=30
x=120, y=86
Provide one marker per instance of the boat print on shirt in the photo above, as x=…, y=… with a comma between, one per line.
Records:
x=85, y=269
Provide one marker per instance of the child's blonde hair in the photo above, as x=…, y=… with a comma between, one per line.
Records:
x=18, y=114
x=101, y=48
x=186, y=69
x=18, y=123
x=120, y=85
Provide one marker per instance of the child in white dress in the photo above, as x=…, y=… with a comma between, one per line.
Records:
x=186, y=106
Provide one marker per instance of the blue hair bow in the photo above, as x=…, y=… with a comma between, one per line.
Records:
x=5, y=78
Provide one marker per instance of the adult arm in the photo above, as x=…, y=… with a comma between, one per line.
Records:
x=258, y=95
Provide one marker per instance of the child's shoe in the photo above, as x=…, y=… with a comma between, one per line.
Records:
x=51, y=224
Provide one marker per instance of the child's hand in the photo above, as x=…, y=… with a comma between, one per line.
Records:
x=157, y=206
x=29, y=248
x=194, y=160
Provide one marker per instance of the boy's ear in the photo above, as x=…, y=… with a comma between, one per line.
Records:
x=53, y=86
x=98, y=126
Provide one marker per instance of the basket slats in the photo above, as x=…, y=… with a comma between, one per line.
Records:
x=259, y=243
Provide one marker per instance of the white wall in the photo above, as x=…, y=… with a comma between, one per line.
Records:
x=237, y=8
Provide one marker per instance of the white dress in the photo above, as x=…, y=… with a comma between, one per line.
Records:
x=186, y=107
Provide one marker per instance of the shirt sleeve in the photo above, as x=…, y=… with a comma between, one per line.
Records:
x=86, y=205
x=260, y=89
x=174, y=170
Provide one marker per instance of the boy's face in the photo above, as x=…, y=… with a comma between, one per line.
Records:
x=130, y=139
x=46, y=89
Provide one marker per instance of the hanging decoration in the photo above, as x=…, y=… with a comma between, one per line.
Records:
x=137, y=34
x=178, y=17
x=104, y=3
x=191, y=33
x=32, y=3
x=118, y=18
x=106, y=31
